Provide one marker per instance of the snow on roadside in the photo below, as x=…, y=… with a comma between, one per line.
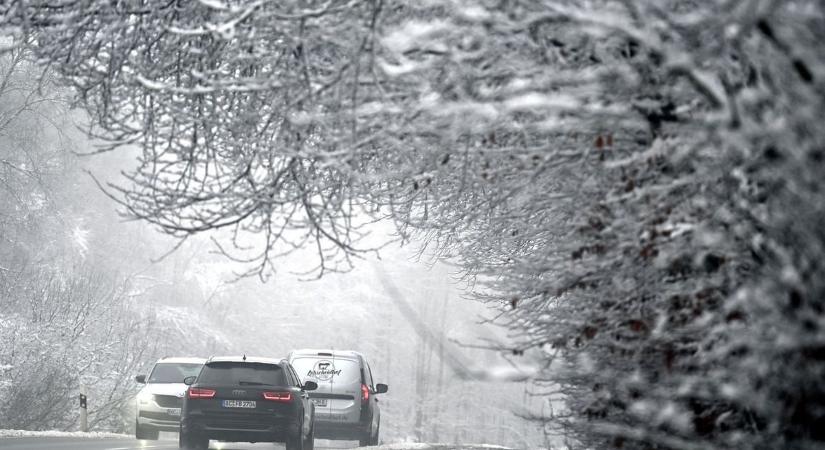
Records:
x=417, y=446
x=91, y=434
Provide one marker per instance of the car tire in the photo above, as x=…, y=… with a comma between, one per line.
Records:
x=296, y=442
x=309, y=443
x=374, y=438
x=364, y=440
x=145, y=433
x=186, y=441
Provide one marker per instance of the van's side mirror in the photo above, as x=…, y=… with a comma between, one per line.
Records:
x=310, y=386
x=141, y=379
x=189, y=381
x=381, y=388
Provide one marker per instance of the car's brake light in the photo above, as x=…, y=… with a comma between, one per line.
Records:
x=278, y=396
x=201, y=393
x=365, y=393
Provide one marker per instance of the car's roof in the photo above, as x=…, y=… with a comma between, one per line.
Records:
x=249, y=359
x=182, y=359
x=329, y=353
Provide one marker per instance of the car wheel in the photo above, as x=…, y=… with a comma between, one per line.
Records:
x=374, y=438
x=145, y=433
x=309, y=443
x=296, y=442
x=365, y=439
x=187, y=441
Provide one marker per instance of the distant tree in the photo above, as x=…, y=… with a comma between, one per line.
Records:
x=68, y=316
x=30, y=153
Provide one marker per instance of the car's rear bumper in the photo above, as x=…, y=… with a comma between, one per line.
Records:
x=240, y=429
x=243, y=435
x=340, y=430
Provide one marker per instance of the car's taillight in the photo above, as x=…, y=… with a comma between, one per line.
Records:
x=201, y=393
x=284, y=397
x=365, y=393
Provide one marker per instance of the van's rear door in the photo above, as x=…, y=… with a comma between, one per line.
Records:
x=338, y=397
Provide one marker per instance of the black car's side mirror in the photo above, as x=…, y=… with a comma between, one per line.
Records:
x=141, y=379
x=381, y=388
x=310, y=386
x=189, y=381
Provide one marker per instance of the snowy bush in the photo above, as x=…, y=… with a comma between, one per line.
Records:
x=61, y=332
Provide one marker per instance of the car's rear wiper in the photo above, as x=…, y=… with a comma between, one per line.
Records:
x=253, y=383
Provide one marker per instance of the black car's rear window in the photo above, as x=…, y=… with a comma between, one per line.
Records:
x=242, y=373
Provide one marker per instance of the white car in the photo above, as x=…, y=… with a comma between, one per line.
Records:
x=158, y=403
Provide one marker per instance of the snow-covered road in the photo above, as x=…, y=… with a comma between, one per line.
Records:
x=76, y=441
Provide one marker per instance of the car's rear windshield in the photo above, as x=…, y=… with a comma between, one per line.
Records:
x=242, y=373
x=173, y=372
x=323, y=369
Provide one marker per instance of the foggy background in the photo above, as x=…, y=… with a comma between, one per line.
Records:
x=146, y=301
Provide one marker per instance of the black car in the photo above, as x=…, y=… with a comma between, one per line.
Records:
x=242, y=399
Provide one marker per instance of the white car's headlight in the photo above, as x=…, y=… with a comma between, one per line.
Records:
x=144, y=397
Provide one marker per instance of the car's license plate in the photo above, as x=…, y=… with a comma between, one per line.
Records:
x=173, y=411
x=238, y=403
x=319, y=401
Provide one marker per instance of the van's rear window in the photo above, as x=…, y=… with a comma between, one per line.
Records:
x=240, y=373
x=327, y=370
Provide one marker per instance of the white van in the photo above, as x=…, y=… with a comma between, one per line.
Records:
x=346, y=407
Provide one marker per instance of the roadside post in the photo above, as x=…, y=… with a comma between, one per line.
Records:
x=84, y=423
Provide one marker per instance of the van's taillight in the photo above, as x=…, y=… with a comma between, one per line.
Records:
x=278, y=396
x=201, y=393
x=365, y=393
